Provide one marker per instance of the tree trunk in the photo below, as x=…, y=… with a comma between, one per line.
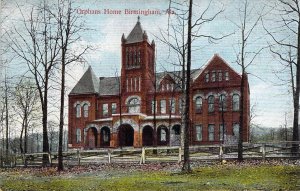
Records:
x=186, y=158
x=240, y=140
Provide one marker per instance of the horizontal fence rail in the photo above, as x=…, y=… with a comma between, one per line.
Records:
x=281, y=150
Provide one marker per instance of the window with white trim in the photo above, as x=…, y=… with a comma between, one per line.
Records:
x=114, y=108
x=220, y=76
x=211, y=132
x=226, y=76
x=211, y=103
x=213, y=76
x=172, y=105
x=222, y=102
x=198, y=104
x=236, y=130
x=86, y=110
x=78, y=110
x=163, y=134
x=105, y=109
x=235, y=102
x=134, y=105
x=163, y=106
x=207, y=77
x=78, y=135
x=198, y=132
x=221, y=132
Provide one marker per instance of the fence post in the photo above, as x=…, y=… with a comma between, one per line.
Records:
x=179, y=155
x=109, y=156
x=263, y=151
x=143, y=157
x=78, y=157
x=221, y=153
x=50, y=159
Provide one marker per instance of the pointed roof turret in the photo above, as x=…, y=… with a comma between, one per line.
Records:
x=88, y=84
x=136, y=35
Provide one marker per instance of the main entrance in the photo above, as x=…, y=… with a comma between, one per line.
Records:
x=126, y=135
x=92, y=138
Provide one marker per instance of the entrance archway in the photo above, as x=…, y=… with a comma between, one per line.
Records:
x=162, y=135
x=147, y=136
x=126, y=135
x=105, y=137
x=92, y=138
x=175, y=135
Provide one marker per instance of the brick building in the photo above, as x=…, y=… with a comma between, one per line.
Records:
x=120, y=111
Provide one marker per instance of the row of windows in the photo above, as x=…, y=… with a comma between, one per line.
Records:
x=163, y=106
x=167, y=87
x=105, y=132
x=133, y=84
x=222, y=103
x=211, y=132
x=105, y=109
x=216, y=76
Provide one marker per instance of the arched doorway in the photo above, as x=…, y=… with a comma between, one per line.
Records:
x=175, y=135
x=126, y=135
x=105, y=137
x=162, y=135
x=147, y=136
x=92, y=138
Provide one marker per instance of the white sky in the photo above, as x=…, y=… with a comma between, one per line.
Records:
x=271, y=101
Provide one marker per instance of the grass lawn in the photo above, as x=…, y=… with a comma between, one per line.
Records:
x=216, y=177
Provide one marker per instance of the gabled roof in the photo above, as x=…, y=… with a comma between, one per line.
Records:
x=136, y=35
x=88, y=84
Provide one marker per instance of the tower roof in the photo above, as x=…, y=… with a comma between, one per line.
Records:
x=136, y=35
x=88, y=84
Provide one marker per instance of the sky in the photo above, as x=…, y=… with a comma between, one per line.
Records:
x=271, y=100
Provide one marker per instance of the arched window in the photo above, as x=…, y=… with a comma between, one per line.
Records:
x=211, y=102
x=78, y=110
x=235, y=102
x=198, y=104
x=163, y=135
x=85, y=110
x=134, y=105
x=222, y=102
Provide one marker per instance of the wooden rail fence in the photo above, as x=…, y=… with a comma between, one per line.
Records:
x=159, y=154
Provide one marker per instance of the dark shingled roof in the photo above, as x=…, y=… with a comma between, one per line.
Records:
x=88, y=83
x=109, y=85
x=136, y=35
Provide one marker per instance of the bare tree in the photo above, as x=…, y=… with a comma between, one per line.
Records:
x=37, y=45
x=285, y=33
x=245, y=56
x=26, y=97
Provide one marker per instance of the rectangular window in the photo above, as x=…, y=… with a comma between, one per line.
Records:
x=207, y=77
x=221, y=132
x=172, y=105
x=78, y=135
x=211, y=132
x=131, y=85
x=220, y=76
x=114, y=108
x=213, y=76
x=226, y=76
x=180, y=105
x=163, y=106
x=236, y=130
x=153, y=104
x=198, y=132
x=135, y=84
x=105, y=109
